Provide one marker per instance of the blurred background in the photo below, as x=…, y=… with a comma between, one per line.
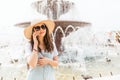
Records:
x=89, y=38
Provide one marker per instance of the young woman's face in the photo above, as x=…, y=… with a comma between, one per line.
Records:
x=40, y=29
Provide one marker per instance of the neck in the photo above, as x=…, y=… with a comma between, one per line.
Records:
x=41, y=46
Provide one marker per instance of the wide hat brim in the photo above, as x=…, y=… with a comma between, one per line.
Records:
x=49, y=23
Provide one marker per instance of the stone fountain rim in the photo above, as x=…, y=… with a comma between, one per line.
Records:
x=27, y=23
x=70, y=21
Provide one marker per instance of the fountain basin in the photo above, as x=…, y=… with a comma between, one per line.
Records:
x=65, y=23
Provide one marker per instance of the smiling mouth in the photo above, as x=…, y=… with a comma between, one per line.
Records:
x=41, y=32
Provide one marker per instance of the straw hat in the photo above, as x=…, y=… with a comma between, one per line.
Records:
x=49, y=23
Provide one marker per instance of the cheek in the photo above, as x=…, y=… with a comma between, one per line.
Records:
x=38, y=32
x=44, y=33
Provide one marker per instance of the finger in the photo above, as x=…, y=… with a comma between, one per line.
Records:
x=34, y=30
x=41, y=59
x=35, y=34
x=41, y=63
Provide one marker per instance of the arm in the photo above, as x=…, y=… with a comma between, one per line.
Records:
x=33, y=58
x=44, y=60
x=53, y=62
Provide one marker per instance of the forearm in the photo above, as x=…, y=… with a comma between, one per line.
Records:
x=33, y=58
x=53, y=63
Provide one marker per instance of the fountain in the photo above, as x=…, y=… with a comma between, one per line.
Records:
x=53, y=9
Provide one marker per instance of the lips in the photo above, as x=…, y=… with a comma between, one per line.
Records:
x=41, y=32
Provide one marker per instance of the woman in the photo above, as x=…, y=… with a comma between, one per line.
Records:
x=41, y=51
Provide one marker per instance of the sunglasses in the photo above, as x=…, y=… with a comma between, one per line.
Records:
x=37, y=28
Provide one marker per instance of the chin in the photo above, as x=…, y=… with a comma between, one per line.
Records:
x=42, y=35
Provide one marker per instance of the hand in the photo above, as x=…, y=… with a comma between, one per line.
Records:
x=35, y=34
x=43, y=61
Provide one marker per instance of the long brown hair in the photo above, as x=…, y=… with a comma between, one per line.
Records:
x=47, y=41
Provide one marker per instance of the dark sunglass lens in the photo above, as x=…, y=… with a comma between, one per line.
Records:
x=43, y=27
x=37, y=27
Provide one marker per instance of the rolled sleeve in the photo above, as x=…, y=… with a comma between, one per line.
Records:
x=28, y=49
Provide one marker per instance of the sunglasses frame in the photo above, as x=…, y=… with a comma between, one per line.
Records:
x=37, y=28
